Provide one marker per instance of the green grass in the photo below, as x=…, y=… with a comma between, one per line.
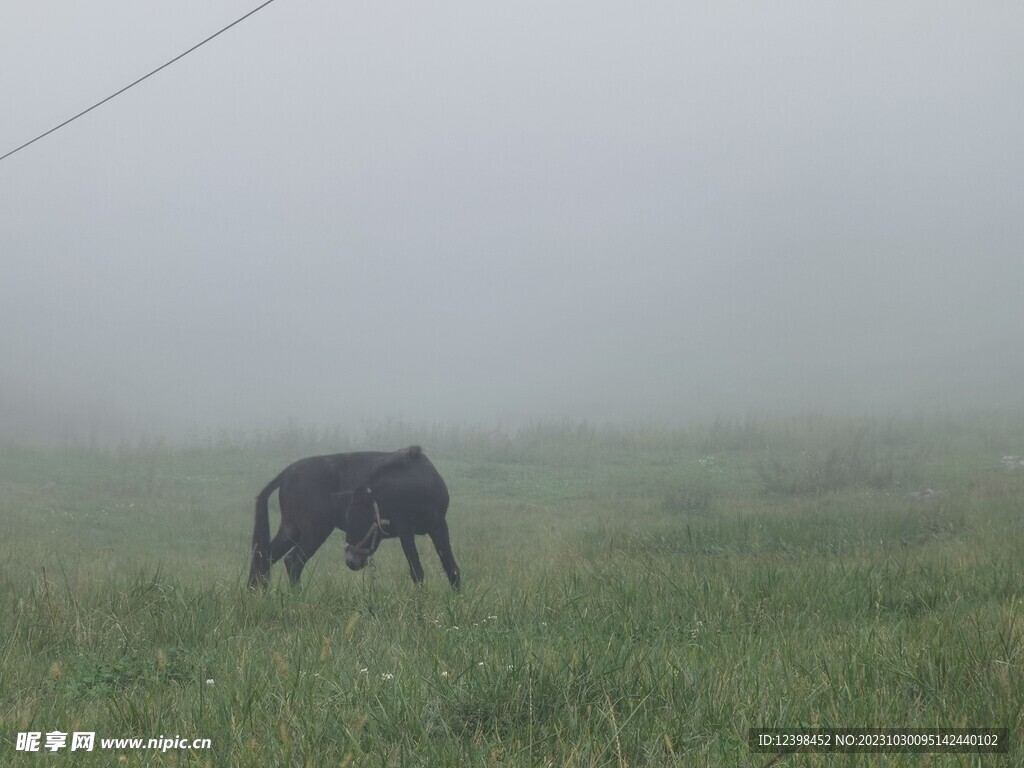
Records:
x=631, y=597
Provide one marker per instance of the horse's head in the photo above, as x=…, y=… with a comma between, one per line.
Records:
x=364, y=528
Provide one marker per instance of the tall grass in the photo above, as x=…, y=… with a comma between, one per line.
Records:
x=631, y=598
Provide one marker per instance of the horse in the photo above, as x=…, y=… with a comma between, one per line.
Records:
x=371, y=495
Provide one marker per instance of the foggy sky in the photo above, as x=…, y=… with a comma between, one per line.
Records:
x=501, y=213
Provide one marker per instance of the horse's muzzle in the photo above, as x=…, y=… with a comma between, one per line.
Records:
x=354, y=560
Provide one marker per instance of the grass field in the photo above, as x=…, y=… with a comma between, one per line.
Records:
x=631, y=597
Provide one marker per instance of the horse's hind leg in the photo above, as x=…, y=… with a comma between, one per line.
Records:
x=279, y=547
x=281, y=544
x=309, y=542
x=444, y=550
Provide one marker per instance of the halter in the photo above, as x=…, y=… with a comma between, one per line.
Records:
x=370, y=541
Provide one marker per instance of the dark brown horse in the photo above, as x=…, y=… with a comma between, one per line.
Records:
x=369, y=495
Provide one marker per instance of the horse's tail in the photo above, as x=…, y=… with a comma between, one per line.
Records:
x=259, y=571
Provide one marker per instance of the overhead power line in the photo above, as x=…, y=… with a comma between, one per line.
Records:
x=132, y=85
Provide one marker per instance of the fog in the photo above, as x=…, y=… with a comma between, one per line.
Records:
x=496, y=214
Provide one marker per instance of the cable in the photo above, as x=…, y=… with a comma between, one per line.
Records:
x=131, y=85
